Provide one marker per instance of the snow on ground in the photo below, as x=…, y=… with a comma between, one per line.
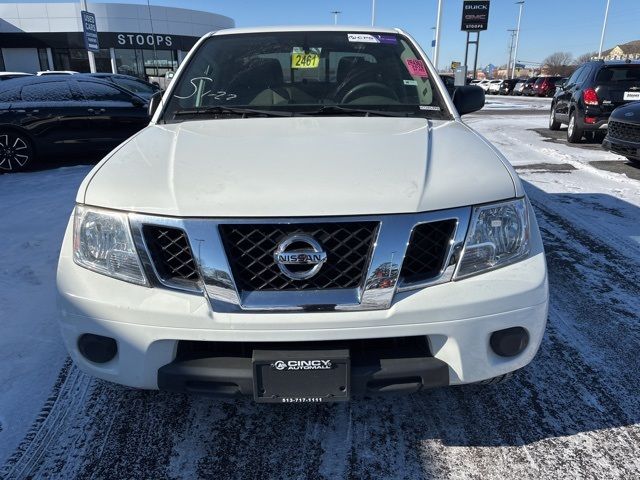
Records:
x=35, y=209
x=499, y=102
x=573, y=413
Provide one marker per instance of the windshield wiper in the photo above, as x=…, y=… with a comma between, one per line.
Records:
x=222, y=110
x=340, y=110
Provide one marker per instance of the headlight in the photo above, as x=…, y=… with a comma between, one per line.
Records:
x=498, y=235
x=102, y=242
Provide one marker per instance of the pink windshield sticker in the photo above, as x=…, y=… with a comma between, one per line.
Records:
x=416, y=67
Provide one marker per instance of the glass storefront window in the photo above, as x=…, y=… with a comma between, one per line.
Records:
x=145, y=63
x=77, y=59
x=44, y=60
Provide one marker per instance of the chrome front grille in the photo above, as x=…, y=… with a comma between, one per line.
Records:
x=624, y=131
x=368, y=259
x=250, y=247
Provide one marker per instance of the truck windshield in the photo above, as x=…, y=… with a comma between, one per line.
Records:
x=305, y=73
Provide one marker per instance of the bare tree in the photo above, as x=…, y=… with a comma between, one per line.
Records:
x=559, y=63
x=585, y=57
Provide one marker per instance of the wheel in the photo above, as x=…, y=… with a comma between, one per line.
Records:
x=496, y=380
x=553, y=123
x=16, y=152
x=574, y=134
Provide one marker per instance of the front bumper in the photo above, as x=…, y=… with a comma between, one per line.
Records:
x=457, y=318
x=621, y=147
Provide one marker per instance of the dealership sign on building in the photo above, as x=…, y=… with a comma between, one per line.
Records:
x=475, y=15
x=90, y=31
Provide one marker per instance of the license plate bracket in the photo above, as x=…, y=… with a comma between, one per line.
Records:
x=301, y=376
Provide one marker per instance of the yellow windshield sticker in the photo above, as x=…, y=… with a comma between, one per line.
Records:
x=305, y=60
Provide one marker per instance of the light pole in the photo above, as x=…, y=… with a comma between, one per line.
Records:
x=373, y=12
x=604, y=28
x=433, y=42
x=515, y=55
x=513, y=34
x=335, y=16
x=436, y=50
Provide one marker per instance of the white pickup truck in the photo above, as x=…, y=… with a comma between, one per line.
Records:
x=305, y=219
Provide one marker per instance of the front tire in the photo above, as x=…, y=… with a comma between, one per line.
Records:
x=16, y=152
x=574, y=134
x=553, y=123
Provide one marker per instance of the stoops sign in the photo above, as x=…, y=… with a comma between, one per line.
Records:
x=475, y=15
x=90, y=31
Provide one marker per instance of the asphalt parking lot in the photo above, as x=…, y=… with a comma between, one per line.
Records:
x=574, y=412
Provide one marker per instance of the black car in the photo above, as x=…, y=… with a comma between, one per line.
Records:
x=588, y=97
x=506, y=88
x=135, y=85
x=64, y=116
x=527, y=90
x=623, y=133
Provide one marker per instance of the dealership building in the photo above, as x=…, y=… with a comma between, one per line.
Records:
x=140, y=40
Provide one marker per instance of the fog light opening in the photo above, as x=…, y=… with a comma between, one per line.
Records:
x=96, y=348
x=509, y=342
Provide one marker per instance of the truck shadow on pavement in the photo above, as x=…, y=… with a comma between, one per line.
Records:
x=577, y=397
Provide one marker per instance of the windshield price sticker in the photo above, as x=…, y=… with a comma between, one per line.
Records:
x=416, y=67
x=305, y=60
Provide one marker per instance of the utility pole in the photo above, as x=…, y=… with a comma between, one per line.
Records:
x=513, y=36
x=92, y=58
x=515, y=55
x=335, y=16
x=604, y=28
x=436, y=50
x=373, y=12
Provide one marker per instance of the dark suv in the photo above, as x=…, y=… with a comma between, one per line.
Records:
x=527, y=90
x=589, y=96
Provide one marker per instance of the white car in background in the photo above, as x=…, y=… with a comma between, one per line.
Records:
x=299, y=234
x=494, y=87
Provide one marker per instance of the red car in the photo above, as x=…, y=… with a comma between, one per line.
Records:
x=545, y=86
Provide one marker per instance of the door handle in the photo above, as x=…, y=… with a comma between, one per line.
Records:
x=91, y=110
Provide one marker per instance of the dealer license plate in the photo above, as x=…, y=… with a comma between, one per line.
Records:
x=301, y=376
x=631, y=96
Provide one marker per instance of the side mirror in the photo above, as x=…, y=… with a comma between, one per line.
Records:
x=468, y=99
x=137, y=101
x=154, y=102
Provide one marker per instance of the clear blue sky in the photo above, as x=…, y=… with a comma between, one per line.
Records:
x=547, y=25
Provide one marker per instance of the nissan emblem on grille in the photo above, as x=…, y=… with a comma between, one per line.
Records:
x=314, y=256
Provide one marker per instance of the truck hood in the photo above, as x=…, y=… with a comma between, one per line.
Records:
x=300, y=166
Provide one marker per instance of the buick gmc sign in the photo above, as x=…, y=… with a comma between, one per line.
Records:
x=475, y=15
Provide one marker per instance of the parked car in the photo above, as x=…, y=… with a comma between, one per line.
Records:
x=55, y=72
x=595, y=89
x=507, y=86
x=64, y=116
x=12, y=75
x=484, y=84
x=260, y=238
x=623, y=132
x=527, y=89
x=545, y=86
x=519, y=87
x=494, y=87
x=135, y=85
